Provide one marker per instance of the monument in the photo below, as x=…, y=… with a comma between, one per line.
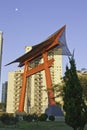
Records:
x=56, y=40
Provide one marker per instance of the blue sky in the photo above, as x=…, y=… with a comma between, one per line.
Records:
x=28, y=22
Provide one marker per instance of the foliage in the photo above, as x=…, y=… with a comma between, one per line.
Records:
x=83, y=81
x=51, y=118
x=20, y=115
x=43, y=117
x=9, y=119
x=30, y=118
x=3, y=106
x=35, y=117
x=74, y=106
x=58, y=90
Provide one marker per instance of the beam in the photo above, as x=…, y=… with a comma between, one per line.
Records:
x=39, y=68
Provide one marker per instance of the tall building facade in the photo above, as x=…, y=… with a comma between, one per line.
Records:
x=1, y=46
x=4, y=92
x=13, y=91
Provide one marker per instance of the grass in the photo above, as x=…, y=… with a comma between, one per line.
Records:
x=22, y=125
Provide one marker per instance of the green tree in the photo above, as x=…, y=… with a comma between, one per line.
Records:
x=3, y=106
x=74, y=106
x=58, y=90
x=83, y=81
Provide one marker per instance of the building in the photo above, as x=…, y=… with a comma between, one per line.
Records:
x=4, y=92
x=1, y=46
x=13, y=91
x=42, y=71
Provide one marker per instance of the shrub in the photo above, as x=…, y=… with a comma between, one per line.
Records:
x=28, y=118
x=35, y=117
x=9, y=119
x=20, y=115
x=43, y=117
x=51, y=118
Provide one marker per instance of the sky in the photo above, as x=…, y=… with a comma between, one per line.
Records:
x=29, y=22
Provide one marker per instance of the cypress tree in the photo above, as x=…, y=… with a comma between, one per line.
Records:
x=74, y=106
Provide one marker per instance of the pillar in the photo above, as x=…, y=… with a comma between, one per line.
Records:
x=51, y=100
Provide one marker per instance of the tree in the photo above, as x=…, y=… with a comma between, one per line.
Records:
x=58, y=90
x=74, y=106
x=3, y=106
x=83, y=81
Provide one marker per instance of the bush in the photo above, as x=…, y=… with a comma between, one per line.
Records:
x=51, y=118
x=9, y=119
x=20, y=115
x=30, y=118
x=35, y=117
x=43, y=117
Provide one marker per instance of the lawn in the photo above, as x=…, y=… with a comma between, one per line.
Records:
x=22, y=125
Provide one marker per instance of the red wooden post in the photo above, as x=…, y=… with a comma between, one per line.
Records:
x=51, y=100
x=23, y=89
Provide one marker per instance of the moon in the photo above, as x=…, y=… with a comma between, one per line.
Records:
x=16, y=9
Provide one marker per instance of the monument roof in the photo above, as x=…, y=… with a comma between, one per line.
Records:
x=38, y=49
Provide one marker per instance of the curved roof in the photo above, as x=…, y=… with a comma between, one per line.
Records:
x=38, y=49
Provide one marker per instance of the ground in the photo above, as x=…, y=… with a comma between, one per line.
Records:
x=22, y=125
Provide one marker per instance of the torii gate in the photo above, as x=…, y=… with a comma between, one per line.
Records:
x=55, y=40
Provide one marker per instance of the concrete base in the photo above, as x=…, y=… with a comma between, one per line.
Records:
x=54, y=110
